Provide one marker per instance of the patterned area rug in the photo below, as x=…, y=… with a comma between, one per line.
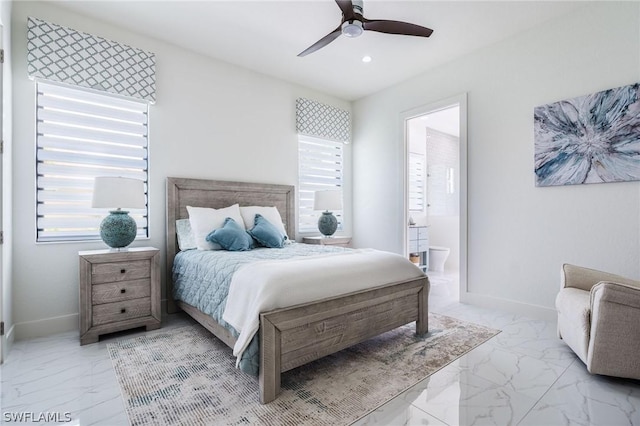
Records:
x=186, y=376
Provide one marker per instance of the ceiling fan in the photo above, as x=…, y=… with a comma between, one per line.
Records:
x=354, y=24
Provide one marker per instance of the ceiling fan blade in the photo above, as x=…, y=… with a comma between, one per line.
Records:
x=396, y=27
x=322, y=42
x=347, y=9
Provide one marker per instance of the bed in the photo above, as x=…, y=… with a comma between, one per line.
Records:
x=293, y=336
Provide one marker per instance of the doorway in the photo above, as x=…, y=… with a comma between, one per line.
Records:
x=435, y=194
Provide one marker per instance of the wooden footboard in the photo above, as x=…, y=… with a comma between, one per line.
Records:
x=295, y=336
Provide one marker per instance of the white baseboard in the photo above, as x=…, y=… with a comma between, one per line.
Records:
x=46, y=327
x=7, y=342
x=489, y=302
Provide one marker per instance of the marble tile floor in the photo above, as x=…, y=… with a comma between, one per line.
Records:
x=523, y=376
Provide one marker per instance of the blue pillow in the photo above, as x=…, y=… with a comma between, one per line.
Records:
x=231, y=236
x=265, y=233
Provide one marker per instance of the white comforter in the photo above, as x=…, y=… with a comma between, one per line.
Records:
x=267, y=285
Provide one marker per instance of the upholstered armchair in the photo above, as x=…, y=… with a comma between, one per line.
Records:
x=599, y=318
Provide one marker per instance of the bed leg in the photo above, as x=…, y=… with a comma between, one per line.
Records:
x=172, y=307
x=422, y=323
x=269, y=377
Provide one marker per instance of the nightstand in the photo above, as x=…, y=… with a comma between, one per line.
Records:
x=328, y=241
x=119, y=290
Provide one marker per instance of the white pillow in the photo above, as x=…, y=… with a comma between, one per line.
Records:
x=204, y=220
x=270, y=213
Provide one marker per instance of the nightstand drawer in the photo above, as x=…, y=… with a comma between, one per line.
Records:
x=334, y=242
x=120, y=271
x=119, y=311
x=117, y=292
x=339, y=241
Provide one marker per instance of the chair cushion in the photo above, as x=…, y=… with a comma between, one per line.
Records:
x=574, y=311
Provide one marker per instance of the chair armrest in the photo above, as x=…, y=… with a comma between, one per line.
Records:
x=585, y=278
x=614, y=342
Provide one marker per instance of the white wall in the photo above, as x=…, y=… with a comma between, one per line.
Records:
x=518, y=235
x=212, y=120
x=7, y=193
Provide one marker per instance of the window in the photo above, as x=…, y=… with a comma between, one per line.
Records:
x=320, y=166
x=82, y=134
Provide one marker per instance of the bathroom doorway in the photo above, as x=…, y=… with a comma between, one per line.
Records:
x=435, y=193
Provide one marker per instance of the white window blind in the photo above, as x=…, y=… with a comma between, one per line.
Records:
x=81, y=135
x=320, y=167
x=417, y=179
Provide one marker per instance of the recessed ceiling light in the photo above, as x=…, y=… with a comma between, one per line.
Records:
x=366, y=59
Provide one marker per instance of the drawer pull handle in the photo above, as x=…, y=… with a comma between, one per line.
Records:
x=123, y=310
x=122, y=271
x=124, y=290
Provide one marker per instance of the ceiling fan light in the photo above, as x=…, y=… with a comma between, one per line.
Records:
x=352, y=29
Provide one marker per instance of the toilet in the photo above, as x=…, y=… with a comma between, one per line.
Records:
x=437, y=257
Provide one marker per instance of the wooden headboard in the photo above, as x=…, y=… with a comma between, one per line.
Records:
x=183, y=192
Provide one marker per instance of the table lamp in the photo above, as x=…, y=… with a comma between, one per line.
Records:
x=118, y=230
x=327, y=200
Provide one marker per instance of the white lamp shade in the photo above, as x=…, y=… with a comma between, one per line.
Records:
x=327, y=200
x=118, y=192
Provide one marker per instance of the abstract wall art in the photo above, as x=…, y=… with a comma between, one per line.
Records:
x=589, y=139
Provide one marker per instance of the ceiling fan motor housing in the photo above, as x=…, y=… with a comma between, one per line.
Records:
x=358, y=7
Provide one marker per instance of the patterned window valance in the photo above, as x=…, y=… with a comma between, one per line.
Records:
x=61, y=54
x=323, y=121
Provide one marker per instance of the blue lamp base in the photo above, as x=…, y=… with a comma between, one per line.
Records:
x=118, y=230
x=327, y=224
